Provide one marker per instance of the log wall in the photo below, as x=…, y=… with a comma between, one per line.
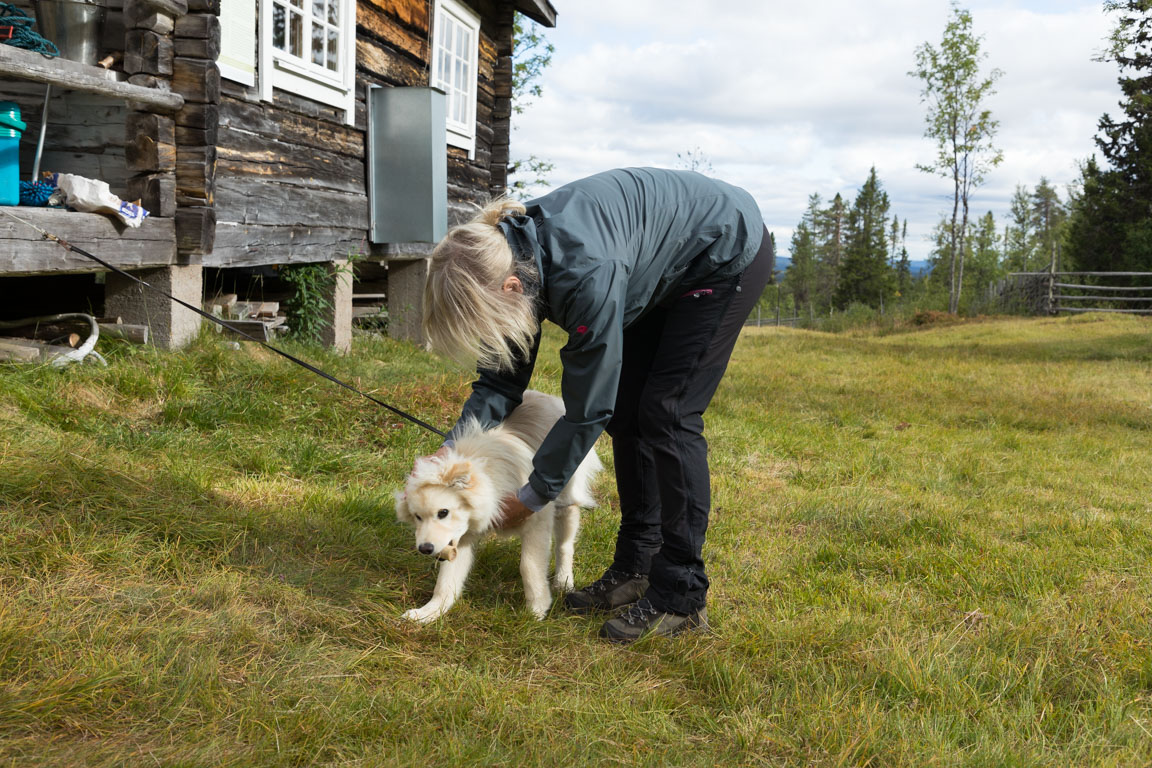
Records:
x=291, y=177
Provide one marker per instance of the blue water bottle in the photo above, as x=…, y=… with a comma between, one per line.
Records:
x=11, y=127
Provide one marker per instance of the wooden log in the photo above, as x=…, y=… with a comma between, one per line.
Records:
x=156, y=192
x=197, y=80
x=172, y=8
x=195, y=231
x=19, y=350
x=151, y=142
x=257, y=328
x=195, y=48
x=147, y=52
x=197, y=137
x=198, y=115
x=202, y=26
x=137, y=334
x=141, y=15
x=223, y=302
x=204, y=6
x=150, y=81
x=196, y=173
x=73, y=75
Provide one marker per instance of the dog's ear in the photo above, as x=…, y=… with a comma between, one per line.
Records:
x=457, y=475
x=403, y=514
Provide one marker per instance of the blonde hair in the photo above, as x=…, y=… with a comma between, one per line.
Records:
x=468, y=316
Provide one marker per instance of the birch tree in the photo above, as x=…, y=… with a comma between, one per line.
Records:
x=955, y=91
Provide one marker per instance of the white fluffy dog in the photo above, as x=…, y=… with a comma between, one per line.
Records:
x=454, y=500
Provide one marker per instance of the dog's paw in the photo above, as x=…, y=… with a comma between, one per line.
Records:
x=423, y=615
x=563, y=582
x=540, y=609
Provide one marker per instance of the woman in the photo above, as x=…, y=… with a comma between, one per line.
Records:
x=651, y=274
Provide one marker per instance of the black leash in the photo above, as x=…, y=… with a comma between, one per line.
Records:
x=64, y=243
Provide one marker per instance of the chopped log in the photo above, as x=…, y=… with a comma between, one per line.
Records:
x=195, y=231
x=197, y=115
x=196, y=173
x=197, y=80
x=197, y=137
x=204, y=6
x=224, y=301
x=203, y=26
x=195, y=48
x=150, y=81
x=173, y=8
x=156, y=192
x=257, y=328
x=137, y=334
x=147, y=52
x=151, y=142
x=266, y=309
x=18, y=349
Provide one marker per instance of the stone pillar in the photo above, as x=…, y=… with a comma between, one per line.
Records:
x=170, y=325
x=406, y=278
x=338, y=332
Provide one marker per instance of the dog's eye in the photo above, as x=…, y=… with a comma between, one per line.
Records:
x=442, y=514
x=417, y=518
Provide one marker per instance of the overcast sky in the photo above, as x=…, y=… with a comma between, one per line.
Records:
x=787, y=99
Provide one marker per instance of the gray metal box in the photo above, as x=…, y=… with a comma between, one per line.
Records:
x=407, y=165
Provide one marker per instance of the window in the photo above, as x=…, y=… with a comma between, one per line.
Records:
x=308, y=47
x=457, y=37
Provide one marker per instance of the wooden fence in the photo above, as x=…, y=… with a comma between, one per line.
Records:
x=1052, y=293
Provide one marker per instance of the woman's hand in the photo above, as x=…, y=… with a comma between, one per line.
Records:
x=515, y=513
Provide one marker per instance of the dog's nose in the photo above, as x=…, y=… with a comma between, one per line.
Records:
x=425, y=549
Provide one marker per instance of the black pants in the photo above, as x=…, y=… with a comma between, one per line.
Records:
x=674, y=358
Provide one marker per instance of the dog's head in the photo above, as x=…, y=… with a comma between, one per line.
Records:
x=441, y=499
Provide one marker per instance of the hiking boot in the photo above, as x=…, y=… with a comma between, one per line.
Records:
x=642, y=619
x=613, y=590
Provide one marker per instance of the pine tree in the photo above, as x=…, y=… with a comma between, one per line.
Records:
x=803, y=276
x=1048, y=217
x=866, y=275
x=985, y=266
x=1110, y=228
x=1020, y=240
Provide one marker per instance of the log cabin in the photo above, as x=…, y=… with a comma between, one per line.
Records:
x=258, y=134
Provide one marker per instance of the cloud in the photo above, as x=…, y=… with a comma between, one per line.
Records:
x=787, y=101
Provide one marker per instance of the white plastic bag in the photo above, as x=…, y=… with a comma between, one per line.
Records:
x=95, y=197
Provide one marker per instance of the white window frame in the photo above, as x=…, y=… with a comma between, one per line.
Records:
x=460, y=134
x=280, y=69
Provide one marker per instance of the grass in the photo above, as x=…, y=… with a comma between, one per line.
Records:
x=927, y=548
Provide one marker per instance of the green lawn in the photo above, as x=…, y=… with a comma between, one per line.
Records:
x=928, y=548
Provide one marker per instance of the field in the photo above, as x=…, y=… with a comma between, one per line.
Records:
x=928, y=548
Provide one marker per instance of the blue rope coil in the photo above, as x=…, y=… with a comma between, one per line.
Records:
x=22, y=35
x=36, y=193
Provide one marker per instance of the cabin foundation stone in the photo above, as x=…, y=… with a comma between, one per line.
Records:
x=171, y=326
x=338, y=331
x=406, y=278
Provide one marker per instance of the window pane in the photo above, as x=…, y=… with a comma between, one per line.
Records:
x=298, y=3
x=296, y=35
x=334, y=12
x=460, y=49
x=278, y=26
x=317, y=44
x=318, y=9
x=333, y=47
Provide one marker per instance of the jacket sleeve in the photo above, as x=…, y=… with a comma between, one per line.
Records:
x=593, y=316
x=496, y=393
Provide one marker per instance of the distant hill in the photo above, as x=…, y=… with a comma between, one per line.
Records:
x=918, y=267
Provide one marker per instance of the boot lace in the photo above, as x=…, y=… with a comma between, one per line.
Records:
x=610, y=579
x=638, y=611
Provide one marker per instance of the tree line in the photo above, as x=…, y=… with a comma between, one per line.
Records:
x=853, y=252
